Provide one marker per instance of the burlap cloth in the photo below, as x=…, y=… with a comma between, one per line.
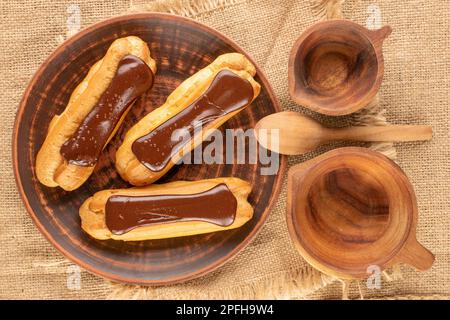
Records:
x=416, y=89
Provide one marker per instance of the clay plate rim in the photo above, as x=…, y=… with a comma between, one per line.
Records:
x=89, y=268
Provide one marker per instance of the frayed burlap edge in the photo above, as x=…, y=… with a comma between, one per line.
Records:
x=375, y=115
x=186, y=8
x=327, y=9
x=297, y=283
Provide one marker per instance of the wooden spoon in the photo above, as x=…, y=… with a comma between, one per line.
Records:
x=298, y=134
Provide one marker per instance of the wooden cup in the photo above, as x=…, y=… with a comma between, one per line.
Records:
x=336, y=67
x=353, y=208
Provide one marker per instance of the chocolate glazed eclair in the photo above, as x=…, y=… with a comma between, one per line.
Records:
x=202, y=102
x=95, y=110
x=174, y=209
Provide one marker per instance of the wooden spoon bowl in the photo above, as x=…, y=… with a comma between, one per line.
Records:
x=353, y=208
x=336, y=67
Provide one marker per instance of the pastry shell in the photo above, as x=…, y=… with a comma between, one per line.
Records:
x=129, y=167
x=52, y=169
x=92, y=211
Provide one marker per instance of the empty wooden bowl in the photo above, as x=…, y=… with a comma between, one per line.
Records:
x=352, y=208
x=336, y=67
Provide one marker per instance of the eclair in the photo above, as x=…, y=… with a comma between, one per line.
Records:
x=96, y=109
x=174, y=209
x=202, y=102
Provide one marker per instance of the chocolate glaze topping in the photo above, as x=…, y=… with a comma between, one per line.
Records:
x=124, y=213
x=133, y=77
x=227, y=93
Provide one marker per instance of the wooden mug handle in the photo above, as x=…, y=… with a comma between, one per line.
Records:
x=416, y=255
x=378, y=36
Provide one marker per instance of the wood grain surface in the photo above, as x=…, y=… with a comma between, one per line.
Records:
x=298, y=133
x=180, y=47
x=351, y=209
x=336, y=67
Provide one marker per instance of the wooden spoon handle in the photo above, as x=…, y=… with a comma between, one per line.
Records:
x=383, y=133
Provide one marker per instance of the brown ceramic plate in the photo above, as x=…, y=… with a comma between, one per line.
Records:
x=181, y=47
